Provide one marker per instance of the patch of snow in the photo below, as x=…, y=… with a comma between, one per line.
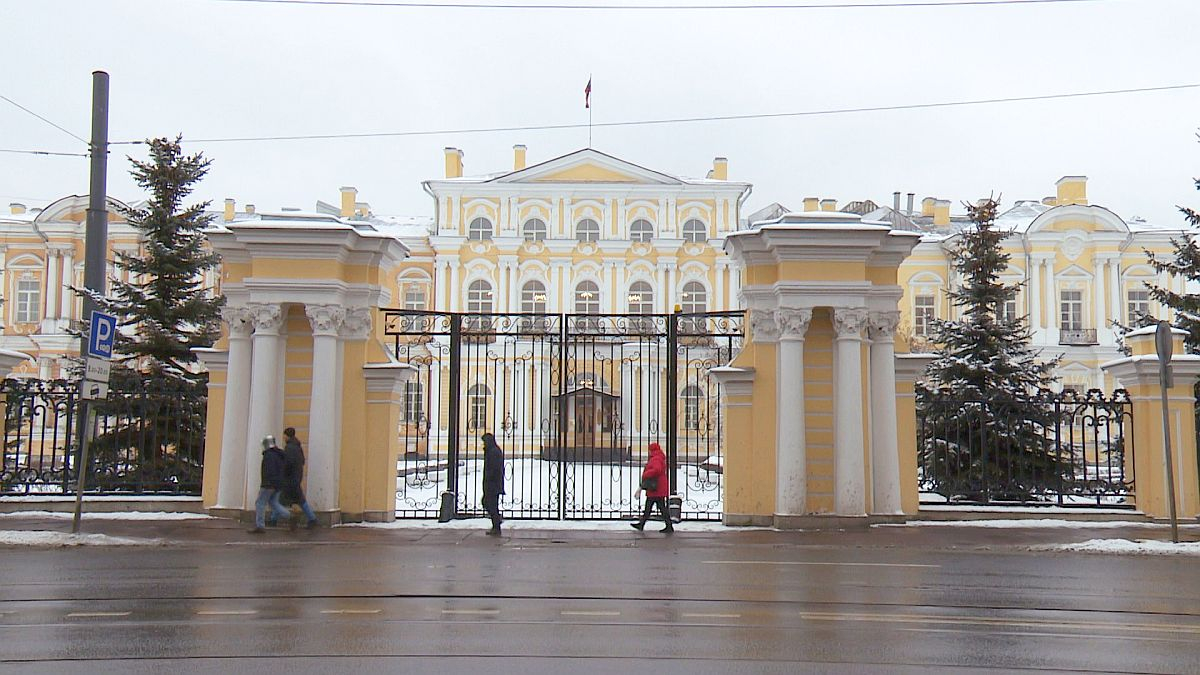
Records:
x=121, y=515
x=39, y=538
x=652, y=525
x=1127, y=547
x=99, y=498
x=1016, y=523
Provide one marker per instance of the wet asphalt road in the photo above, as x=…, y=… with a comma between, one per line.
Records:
x=913, y=600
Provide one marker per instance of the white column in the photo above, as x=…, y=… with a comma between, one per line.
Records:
x=53, y=284
x=231, y=486
x=1117, y=311
x=735, y=286
x=849, y=476
x=664, y=303
x=440, y=299
x=501, y=287
x=453, y=292
x=1052, y=310
x=885, y=453
x=324, y=446
x=1098, y=294
x=68, y=279
x=791, y=456
x=719, y=303
x=1033, y=293
x=265, y=381
x=622, y=229
x=671, y=294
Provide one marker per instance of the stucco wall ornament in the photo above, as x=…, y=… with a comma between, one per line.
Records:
x=882, y=325
x=849, y=323
x=239, y=319
x=793, y=323
x=325, y=319
x=357, y=324
x=266, y=317
x=763, y=327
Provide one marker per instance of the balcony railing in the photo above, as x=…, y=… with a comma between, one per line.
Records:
x=1077, y=336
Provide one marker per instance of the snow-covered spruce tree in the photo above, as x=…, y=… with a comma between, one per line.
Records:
x=982, y=402
x=164, y=310
x=1183, y=262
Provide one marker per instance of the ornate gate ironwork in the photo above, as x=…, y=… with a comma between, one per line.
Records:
x=574, y=400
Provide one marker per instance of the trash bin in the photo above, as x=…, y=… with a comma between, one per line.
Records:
x=675, y=508
x=448, y=507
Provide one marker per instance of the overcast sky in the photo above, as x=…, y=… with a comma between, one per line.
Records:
x=214, y=69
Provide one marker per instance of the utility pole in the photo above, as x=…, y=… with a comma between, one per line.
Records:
x=94, y=268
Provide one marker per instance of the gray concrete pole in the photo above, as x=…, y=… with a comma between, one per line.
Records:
x=95, y=249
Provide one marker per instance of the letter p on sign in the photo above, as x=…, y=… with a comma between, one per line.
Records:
x=103, y=334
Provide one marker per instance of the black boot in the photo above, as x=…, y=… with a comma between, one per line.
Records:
x=638, y=525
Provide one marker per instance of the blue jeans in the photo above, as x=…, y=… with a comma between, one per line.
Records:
x=268, y=496
x=308, y=512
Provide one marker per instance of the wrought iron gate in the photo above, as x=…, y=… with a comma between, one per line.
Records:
x=574, y=400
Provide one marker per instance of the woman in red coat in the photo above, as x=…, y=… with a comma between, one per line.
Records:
x=655, y=474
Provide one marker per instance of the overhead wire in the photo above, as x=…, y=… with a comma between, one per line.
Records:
x=46, y=152
x=657, y=7
x=56, y=126
x=684, y=120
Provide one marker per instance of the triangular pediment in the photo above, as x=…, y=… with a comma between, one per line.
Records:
x=587, y=166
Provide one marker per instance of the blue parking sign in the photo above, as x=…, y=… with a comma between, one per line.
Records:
x=103, y=334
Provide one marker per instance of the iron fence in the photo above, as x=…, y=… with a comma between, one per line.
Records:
x=1068, y=449
x=146, y=439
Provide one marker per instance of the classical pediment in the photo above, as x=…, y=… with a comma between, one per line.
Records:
x=587, y=166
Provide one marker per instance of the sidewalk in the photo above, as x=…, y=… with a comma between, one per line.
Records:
x=177, y=529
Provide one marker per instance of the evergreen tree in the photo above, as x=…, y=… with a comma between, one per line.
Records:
x=983, y=402
x=164, y=310
x=1184, y=262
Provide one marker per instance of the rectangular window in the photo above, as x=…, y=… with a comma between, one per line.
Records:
x=1139, y=305
x=414, y=296
x=29, y=300
x=1009, y=313
x=924, y=313
x=412, y=402
x=1071, y=316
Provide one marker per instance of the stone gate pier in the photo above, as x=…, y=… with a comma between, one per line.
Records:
x=820, y=416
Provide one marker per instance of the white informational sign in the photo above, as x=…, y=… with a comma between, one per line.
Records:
x=95, y=390
x=97, y=370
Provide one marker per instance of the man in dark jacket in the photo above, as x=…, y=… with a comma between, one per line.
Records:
x=493, y=481
x=272, y=483
x=293, y=454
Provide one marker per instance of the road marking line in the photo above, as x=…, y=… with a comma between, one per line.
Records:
x=795, y=562
x=703, y=615
x=350, y=611
x=470, y=611
x=97, y=614
x=998, y=621
x=581, y=613
x=1066, y=635
x=226, y=612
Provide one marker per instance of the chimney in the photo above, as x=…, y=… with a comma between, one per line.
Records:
x=16, y=208
x=290, y=209
x=1072, y=190
x=896, y=202
x=454, y=163
x=230, y=209
x=927, y=206
x=349, y=194
x=362, y=209
x=720, y=170
x=941, y=212
x=518, y=158
x=1050, y=201
x=911, y=196
x=829, y=205
x=810, y=203
x=250, y=209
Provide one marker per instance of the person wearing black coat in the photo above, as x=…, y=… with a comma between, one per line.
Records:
x=274, y=479
x=493, y=481
x=293, y=491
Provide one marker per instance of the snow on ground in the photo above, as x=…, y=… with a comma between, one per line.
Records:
x=1016, y=523
x=115, y=515
x=39, y=538
x=1127, y=547
x=653, y=525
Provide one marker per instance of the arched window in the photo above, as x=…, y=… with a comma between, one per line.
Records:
x=477, y=406
x=533, y=297
x=641, y=298
x=480, y=229
x=587, y=298
x=534, y=229
x=479, y=297
x=695, y=231
x=694, y=299
x=693, y=407
x=641, y=230
x=587, y=230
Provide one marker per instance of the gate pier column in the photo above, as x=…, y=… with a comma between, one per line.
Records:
x=323, y=446
x=885, y=451
x=849, y=487
x=791, y=482
x=266, y=376
x=231, y=493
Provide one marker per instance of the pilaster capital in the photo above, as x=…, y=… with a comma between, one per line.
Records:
x=267, y=318
x=882, y=325
x=849, y=323
x=357, y=323
x=240, y=320
x=763, y=325
x=792, y=323
x=325, y=319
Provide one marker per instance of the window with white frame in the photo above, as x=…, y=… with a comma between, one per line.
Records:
x=924, y=314
x=534, y=229
x=587, y=230
x=477, y=405
x=1071, y=310
x=1138, y=304
x=641, y=298
x=480, y=229
x=694, y=298
x=693, y=406
x=641, y=230
x=1008, y=312
x=533, y=297
x=414, y=295
x=479, y=301
x=29, y=299
x=413, y=402
x=587, y=298
x=695, y=231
